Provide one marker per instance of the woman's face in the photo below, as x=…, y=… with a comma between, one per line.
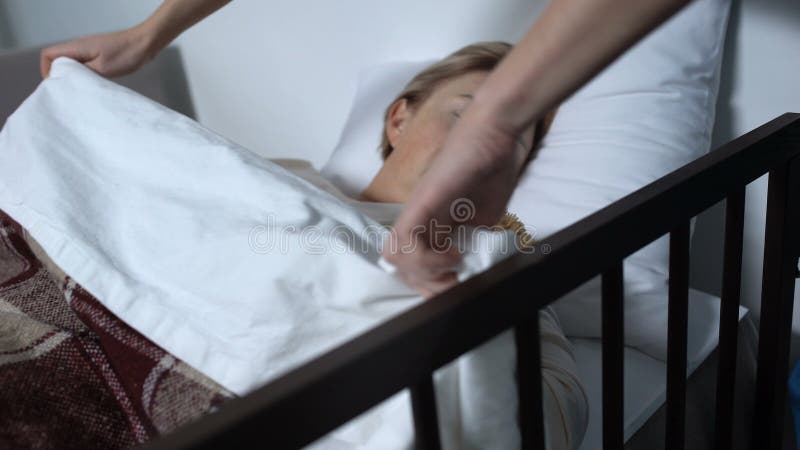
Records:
x=417, y=134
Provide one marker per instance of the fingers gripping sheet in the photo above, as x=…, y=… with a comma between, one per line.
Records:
x=236, y=265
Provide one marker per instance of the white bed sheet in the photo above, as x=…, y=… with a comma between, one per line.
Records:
x=645, y=377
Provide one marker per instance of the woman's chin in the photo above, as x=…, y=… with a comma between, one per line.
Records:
x=374, y=193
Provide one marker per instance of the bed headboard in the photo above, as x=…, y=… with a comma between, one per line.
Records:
x=163, y=80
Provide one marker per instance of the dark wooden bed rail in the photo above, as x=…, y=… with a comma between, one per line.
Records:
x=312, y=400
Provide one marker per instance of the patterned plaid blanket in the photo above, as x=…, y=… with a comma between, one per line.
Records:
x=72, y=375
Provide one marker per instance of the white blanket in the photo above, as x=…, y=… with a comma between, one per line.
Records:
x=232, y=263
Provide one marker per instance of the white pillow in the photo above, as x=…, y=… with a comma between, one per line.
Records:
x=647, y=114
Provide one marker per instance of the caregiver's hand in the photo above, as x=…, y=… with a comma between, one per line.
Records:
x=448, y=196
x=111, y=55
x=567, y=45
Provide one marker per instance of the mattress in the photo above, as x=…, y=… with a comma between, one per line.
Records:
x=645, y=376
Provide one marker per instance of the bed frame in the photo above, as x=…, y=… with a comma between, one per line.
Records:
x=314, y=399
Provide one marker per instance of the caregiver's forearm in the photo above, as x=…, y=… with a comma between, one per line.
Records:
x=122, y=52
x=173, y=17
x=570, y=42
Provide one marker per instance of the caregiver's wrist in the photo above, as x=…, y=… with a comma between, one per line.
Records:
x=510, y=107
x=159, y=30
x=499, y=129
x=149, y=39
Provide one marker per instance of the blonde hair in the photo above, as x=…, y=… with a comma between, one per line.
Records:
x=481, y=56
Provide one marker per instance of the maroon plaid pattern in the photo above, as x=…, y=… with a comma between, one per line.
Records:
x=72, y=375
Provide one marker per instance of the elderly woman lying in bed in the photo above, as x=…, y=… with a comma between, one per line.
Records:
x=415, y=127
x=416, y=124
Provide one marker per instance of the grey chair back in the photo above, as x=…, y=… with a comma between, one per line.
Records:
x=162, y=80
